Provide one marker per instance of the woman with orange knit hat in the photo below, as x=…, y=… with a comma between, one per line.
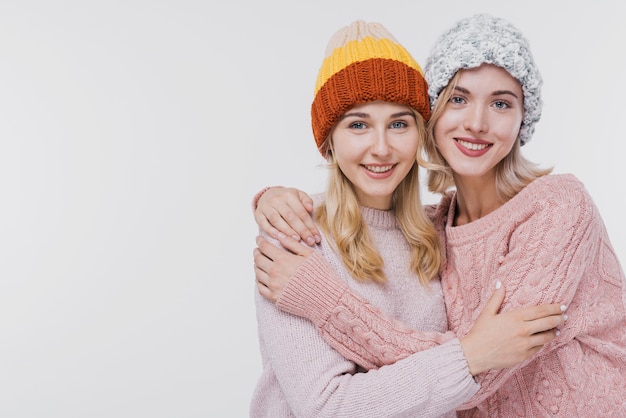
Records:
x=368, y=116
x=501, y=218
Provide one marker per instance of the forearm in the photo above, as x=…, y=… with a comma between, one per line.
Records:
x=536, y=274
x=318, y=382
x=357, y=329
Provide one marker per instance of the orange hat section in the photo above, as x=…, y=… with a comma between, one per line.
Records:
x=356, y=82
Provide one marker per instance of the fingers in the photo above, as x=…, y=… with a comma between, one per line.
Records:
x=266, y=250
x=266, y=292
x=541, y=311
x=495, y=301
x=287, y=212
x=274, y=266
x=264, y=256
x=307, y=202
x=265, y=225
x=296, y=215
x=271, y=221
x=295, y=246
x=540, y=318
x=261, y=266
x=267, y=213
x=548, y=323
x=537, y=341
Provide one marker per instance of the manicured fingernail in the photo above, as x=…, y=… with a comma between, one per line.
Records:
x=563, y=308
x=310, y=241
x=558, y=332
x=498, y=285
x=318, y=239
x=297, y=238
x=565, y=317
x=281, y=235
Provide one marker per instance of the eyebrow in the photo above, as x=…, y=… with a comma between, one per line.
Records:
x=354, y=114
x=367, y=115
x=495, y=93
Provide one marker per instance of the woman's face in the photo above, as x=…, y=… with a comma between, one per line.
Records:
x=481, y=122
x=375, y=146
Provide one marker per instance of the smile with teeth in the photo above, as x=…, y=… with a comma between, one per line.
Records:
x=472, y=146
x=378, y=168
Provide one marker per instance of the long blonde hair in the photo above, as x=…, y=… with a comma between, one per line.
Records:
x=340, y=219
x=513, y=173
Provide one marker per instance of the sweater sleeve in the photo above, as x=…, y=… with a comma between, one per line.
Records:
x=317, y=381
x=358, y=330
x=562, y=254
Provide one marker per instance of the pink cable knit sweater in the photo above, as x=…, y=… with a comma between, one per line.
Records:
x=304, y=376
x=547, y=245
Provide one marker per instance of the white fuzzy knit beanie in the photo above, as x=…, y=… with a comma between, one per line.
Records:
x=484, y=39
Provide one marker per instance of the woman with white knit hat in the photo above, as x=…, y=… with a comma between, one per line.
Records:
x=500, y=218
x=368, y=117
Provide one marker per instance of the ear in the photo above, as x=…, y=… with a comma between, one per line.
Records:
x=328, y=144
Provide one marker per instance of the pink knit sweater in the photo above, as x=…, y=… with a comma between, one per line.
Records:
x=547, y=245
x=304, y=376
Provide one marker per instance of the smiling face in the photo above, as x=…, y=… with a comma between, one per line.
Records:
x=375, y=146
x=481, y=122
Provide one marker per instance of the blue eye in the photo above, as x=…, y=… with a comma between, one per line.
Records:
x=501, y=104
x=357, y=125
x=398, y=124
x=457, y=100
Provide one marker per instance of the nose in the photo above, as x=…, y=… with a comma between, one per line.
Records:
x=476, y=120
x=380, y=146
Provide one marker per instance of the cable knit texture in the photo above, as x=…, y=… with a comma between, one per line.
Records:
x=547, y=245
x=304, y=376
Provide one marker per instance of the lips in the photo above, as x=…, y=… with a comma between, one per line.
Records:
x=472, y=148
x=378, y=168
x=379, y=171
x=472, y=145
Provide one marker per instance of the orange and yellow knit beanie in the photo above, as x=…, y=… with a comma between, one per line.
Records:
x=364, y=63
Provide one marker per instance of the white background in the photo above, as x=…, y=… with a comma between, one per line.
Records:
x=133, y=135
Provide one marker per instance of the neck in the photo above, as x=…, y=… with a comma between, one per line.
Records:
x=475, y=198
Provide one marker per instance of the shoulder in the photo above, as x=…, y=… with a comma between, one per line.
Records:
x=559, y=183
x=557, y=189
x=560, y=197
x=318, y=199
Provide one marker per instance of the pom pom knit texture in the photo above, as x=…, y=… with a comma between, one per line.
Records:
x=364, y=63
x=483, y=39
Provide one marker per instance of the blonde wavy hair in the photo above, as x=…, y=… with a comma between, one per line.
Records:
x=513, y=173
x=339, y=218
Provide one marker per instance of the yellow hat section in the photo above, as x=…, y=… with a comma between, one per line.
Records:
x=361, y=50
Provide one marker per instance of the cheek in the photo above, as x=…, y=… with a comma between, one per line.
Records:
x=516, y=124
x=448, y=121
x=406, y=152
x=345, y=151
x=439, y=133
x=411, y=151
x=509, y=130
